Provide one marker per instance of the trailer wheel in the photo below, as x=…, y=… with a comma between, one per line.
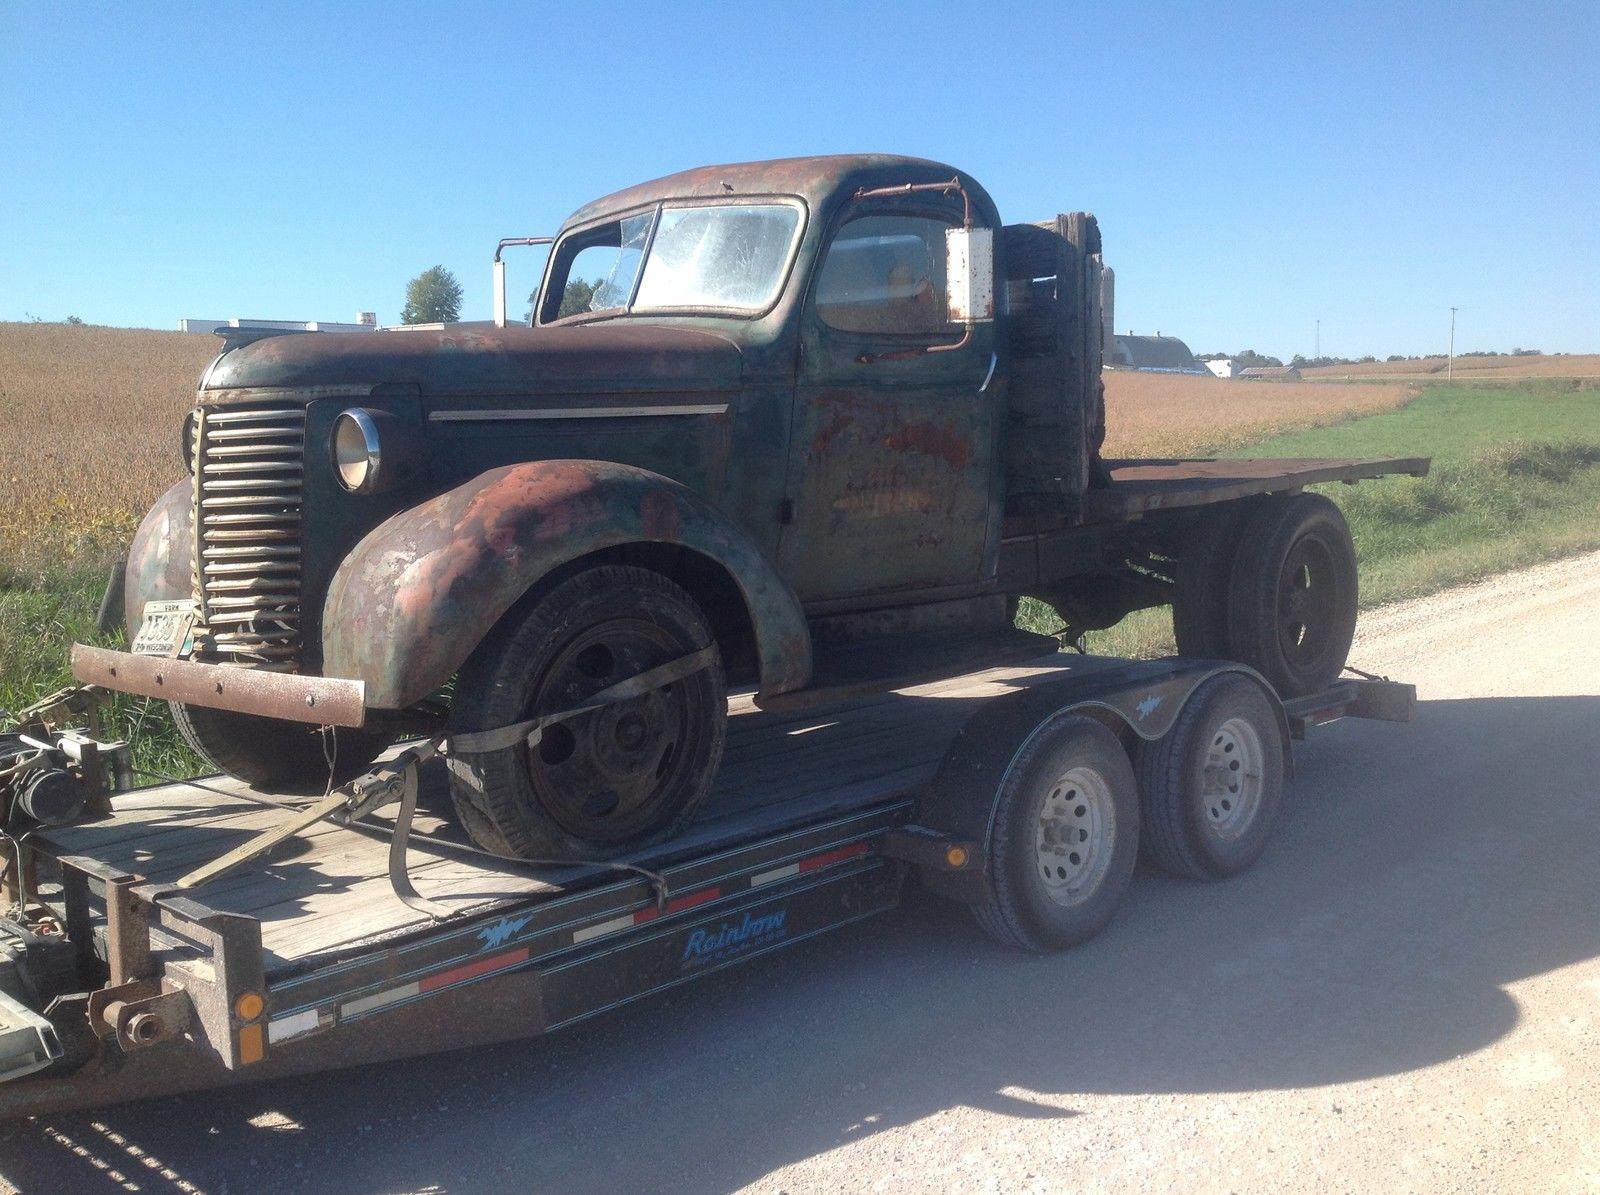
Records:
x=273, y=753
x=623, y=775
x=1211, y=789
x=1293, y=594
x=1064, y=839
x=1204, y=574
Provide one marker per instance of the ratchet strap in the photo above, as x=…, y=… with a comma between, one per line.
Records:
x=483, y=742
x=396, y=780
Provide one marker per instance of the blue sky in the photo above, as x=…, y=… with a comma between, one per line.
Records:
x=1254, y=170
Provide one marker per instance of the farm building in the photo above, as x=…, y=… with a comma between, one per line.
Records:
x=1157, y=354
x=366, y=321
x=1270, y=373
x=1223, y=367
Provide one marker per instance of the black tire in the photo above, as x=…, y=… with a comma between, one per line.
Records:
x=1211, y=788
x=270, y=753
x=626, y=775
x=1293, y=594
x=1064, y=760
x=1204, y=574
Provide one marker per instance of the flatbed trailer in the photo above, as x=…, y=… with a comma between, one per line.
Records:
x=308, y=959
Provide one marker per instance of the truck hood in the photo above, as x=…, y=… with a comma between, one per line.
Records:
x=474, y=359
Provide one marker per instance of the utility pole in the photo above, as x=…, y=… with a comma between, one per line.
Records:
x=1317, y=352
x=1450, y=363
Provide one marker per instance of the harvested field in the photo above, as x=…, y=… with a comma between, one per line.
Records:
x=1160, y=414
x=100, y=410
x=1466, y=368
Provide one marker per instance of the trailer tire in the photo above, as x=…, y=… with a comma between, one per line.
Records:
x=1069, y=786
x=602, y=782
x=1204, y=576
x=273, y=753
x=1294, y=593
x=1211, y=788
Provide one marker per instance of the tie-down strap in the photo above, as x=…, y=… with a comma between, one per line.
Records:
x=482, y=742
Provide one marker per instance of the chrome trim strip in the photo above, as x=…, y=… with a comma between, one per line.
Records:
x=719, y=408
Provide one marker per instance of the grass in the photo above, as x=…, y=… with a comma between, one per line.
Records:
x=1515, y=480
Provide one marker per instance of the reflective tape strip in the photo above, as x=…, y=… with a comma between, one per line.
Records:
x=295, y=1025
x=472, y=970
x=777, y=873
x=354, y=1008
x=836, y=856
x=615, y=925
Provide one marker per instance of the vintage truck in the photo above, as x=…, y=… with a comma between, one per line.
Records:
x=820, y=426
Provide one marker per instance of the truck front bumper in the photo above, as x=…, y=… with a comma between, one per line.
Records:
x=322, y=700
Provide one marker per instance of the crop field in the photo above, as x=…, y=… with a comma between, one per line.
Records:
x=1466, y=369
x=92, y=422
x=1167, y=414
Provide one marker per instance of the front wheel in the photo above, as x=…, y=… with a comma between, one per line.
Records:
x=626, y=774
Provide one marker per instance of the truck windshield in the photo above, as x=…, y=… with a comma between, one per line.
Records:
x=727, y=257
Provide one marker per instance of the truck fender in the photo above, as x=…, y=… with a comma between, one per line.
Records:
x=417, y=595
x=1135, y=699
x=160, y=558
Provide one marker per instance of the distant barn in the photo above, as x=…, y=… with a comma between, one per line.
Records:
x=1156, y=354
x=1270, y=373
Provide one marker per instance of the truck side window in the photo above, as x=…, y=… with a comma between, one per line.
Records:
x=885, y=274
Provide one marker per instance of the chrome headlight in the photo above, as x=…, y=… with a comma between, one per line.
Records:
x=356, y=455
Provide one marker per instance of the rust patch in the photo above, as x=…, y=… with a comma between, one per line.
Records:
x=943, y=443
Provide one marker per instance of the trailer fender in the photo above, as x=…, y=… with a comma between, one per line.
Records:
x=1137, y=700
x=416, y=596
x=159, y=559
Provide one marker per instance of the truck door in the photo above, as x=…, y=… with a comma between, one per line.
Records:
x=892, y=472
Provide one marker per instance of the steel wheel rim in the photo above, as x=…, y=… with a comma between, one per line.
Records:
x=1074, y=835
x=602, y=775
x=1308, y=602
x=1232, y=778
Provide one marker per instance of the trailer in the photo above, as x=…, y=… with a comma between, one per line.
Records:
x=156, y=945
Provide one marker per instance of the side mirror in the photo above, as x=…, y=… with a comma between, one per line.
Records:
x=969, y=274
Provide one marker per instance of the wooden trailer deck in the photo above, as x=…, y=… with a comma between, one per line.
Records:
x=327, y=891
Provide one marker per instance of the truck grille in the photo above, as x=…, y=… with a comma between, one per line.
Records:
x=247, y=473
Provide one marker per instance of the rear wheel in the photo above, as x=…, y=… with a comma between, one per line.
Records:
x=627, y=773
x=1065, y=838
x=1211, y=788
x=1205, y=571
x=1293, y=594
x=272, y=753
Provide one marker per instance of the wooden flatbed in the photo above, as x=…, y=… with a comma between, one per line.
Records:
x=1142, y=486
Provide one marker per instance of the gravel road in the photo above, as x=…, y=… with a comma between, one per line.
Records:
x=1403, y=995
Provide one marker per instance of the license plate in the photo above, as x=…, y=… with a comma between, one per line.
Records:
x=166, y=629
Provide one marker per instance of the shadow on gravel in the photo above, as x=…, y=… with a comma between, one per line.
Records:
x=1418, y=871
